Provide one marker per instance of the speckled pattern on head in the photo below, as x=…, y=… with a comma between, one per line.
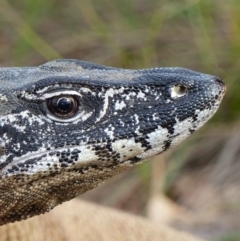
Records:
x=122, y=117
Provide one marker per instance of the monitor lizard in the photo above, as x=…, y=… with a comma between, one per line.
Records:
x=69, y=125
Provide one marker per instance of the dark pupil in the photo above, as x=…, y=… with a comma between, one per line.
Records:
x=64, y=104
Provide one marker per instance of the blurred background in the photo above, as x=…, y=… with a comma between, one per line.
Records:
x=196, y=186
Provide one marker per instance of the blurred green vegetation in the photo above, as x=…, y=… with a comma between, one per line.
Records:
x=231, y=237
x=196, y=34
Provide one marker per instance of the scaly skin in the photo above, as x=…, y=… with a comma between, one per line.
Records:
x=68, y=125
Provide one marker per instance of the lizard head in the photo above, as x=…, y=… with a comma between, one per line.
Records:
x=68, y=125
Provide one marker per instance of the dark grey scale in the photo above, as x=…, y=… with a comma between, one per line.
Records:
x=15, y=168
x=76, y=151
x=99, y=153
x=194, y=118
x=62, y=144
x=109, y=147
x=64, y=165
x=73, y=157
x=117, y=156
x=135, y=159
x=52, y=153
x=96, y=148
x=191, y=130
x=145, y=144
x=167, y=145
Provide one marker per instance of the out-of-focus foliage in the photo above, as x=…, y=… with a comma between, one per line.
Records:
x=197, y=34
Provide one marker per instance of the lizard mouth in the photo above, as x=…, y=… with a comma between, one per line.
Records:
x=78, y=155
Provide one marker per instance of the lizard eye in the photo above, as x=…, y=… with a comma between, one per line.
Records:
x=63, y=106
x=178, y=91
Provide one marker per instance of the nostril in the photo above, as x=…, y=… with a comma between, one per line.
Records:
x=221, y=83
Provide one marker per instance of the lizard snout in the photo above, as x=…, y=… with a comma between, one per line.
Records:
x=222, y=84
